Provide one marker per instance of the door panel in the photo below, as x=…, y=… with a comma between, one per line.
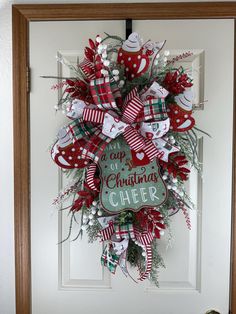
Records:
x=196, y=277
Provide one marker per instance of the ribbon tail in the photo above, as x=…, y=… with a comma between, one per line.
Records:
x=123, y=265
x=109, y=259
x=145, y=238
x=90, y=177
x=148, y=268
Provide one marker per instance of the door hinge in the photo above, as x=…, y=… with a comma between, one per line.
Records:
x=28, y=79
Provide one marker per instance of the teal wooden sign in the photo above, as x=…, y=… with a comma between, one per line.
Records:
x=128, y=180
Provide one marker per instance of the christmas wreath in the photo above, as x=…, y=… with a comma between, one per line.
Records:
x=128, y=148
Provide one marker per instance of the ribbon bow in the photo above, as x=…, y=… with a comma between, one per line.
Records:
x=115, y=252
x=109, y=117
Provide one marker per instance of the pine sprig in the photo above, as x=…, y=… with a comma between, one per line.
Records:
x=157, y=263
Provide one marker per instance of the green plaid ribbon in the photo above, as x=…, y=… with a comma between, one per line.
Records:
x=154, y=109
x=78, y=129
x=125, y=231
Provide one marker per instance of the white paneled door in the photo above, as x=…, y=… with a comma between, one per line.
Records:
x=68, y=278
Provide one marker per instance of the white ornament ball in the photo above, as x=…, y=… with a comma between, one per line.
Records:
x=100, y=47
x=85, y=221
x=94, y=203
x=174, y=180
x=104, y=55
x=174, y=188
x=115, y=72
x=91, y=223
x=90, y=216
x=106, y=63
x=93, y=211
x=98, y=39
x=164, y=177
x=162, y=232
x=99, y=213
x=166, y=53
x=121, y=83
x=144, y=254
x=169, y=187
x=83, y=227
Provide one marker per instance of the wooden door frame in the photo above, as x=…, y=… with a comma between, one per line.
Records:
x=24, y=14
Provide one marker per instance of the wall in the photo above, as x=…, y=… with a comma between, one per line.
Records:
x=7, y=305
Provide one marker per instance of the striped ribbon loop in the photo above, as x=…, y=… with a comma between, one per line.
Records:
x=132, y=107
x=88, y=69
x=107, y=232
x=145, y=237
x=93, y=115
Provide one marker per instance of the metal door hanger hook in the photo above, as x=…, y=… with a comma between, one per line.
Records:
x=128, y=27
